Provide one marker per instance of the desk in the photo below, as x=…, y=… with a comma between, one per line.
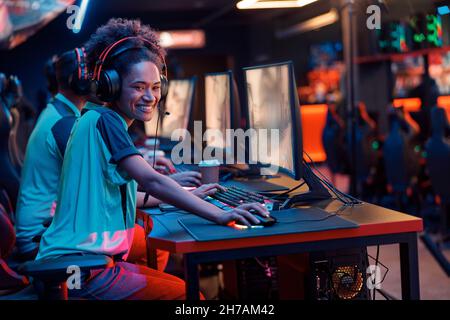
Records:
x=377, y=226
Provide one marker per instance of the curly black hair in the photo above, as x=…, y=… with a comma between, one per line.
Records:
x=116, y=29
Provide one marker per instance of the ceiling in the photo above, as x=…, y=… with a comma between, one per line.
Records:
x=193, y=13
x=168, y=5
x=202, y=13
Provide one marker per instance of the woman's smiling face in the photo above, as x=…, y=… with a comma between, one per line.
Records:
x=141, y=92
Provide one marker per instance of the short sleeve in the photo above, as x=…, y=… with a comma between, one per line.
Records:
x=115, y=137
x=52, y=147
x=61, y=133
x=116, y=146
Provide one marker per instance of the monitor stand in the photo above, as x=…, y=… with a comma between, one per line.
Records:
x=316, y=192
x=251, y=180
x=254, y=172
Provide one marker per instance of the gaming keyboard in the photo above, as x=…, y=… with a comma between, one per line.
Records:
x=230, y=199
x=234, y=197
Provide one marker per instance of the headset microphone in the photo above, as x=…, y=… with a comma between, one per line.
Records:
x=164, y=113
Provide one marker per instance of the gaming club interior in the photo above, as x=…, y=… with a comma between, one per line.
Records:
x=225, y=150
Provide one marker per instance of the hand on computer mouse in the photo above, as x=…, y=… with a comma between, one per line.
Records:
x=243, y=216
x=207, y=190
x=188, y=178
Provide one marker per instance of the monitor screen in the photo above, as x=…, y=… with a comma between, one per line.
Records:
x=179, y=104
x=439, y=70
x=273, y=104
x=218, y=104
x=407, y=75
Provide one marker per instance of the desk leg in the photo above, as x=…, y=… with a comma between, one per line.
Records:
x=152, y=258
x=409, y=265
x=191, y=278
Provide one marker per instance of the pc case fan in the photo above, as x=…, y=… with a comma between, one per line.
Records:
x=338, y=275
x=347, y=282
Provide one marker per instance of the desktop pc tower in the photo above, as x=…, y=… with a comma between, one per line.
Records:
x=258, y=278
x=338, y=275
x=331, y=275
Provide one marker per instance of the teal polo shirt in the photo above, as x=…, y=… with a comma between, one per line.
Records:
x=40, y=173
x=96, y=201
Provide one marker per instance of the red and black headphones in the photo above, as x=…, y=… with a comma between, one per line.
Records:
x=79, y=80
x=108, y=82
x=81, y=83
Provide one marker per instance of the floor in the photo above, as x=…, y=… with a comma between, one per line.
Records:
x=434, y=283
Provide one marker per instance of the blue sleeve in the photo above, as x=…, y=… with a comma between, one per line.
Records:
x=61, y=132
x=115, y=137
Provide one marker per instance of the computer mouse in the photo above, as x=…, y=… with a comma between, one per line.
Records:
x=265, y=221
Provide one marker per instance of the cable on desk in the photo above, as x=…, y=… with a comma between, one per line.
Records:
x=377, y=262
x=336, y=191
x=277, y=196
x=332, y=214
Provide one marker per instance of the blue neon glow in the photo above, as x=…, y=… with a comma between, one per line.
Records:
x=80, y=17
x=443, y=10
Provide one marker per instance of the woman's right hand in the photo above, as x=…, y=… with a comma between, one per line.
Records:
x=242, y=214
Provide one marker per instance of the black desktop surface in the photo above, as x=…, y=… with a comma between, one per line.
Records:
x=298, y=220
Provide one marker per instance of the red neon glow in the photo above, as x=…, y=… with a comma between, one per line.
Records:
x=314, y=117
x=414, y=104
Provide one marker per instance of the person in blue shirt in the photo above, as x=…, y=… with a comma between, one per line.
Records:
x=97, y=195
x=42, y=165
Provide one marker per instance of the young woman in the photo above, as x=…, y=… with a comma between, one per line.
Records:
x=102, y=168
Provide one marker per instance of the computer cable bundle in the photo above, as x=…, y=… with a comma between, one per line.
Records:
x=342, y=196
x=378, y=262
x=284, y=193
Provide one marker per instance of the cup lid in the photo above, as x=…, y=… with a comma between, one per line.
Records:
x=209, y=163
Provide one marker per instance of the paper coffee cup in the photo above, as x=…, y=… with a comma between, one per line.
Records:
x=209, y=170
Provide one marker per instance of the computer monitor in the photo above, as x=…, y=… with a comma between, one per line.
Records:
x=219, y=108
x=272, y=103
x=178, y=103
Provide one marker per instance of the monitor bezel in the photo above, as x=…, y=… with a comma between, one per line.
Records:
x=295, y=117
x=193, y=80
x=229, y=74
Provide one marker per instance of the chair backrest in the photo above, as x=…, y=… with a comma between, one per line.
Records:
x=9, y=175
x=17, y=156
x=395, y=158
x=7, y=234
x=438, y=155
x=362, y=162
x=331, y=139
